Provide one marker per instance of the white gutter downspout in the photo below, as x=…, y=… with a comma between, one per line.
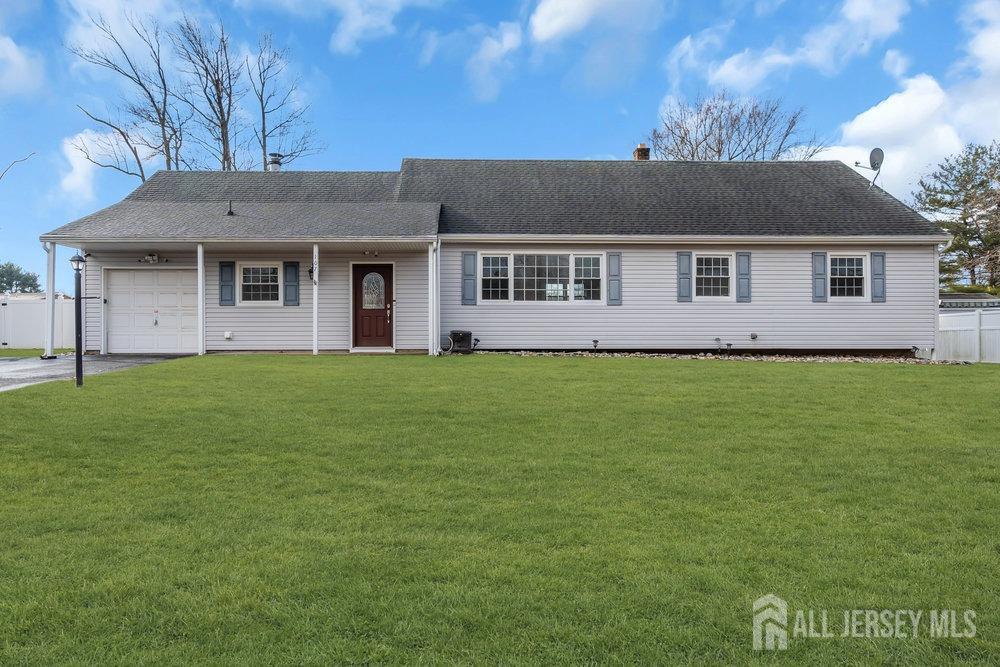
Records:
x=315, y=282
x=431, y=297
x=201, y=298
x=50, y=300
x=437, y=296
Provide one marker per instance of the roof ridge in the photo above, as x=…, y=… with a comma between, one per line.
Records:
x=622, y=160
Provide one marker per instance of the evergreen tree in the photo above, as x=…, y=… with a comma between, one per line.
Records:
x=14, y=279
x=963, y=194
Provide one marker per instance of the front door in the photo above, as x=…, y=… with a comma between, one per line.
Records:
x=373, y=305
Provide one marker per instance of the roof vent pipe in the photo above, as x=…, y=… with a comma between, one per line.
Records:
x=274, y=161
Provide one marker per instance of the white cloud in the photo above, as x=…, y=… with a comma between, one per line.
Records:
x=488, y=63
x=432, y=42
x=81, y=29
x=614, y=34
x=554, y=20
x=764, y=7
x=362, y=20
x=746, y=70
x=859, y=25
x=21, y=70
x=359, y=20
x=982, y=19
x=691, y=52
x=895, y=63
x=924, y=121
x=78, y=180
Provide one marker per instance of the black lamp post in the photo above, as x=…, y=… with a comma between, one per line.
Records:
x=77, y=263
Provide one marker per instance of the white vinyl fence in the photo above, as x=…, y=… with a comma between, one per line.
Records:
x=22, y=322
x=971, y=336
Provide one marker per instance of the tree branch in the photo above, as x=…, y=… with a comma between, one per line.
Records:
x=7, y=168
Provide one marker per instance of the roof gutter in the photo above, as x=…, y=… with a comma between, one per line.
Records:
x=885, y=239
x=76, y=241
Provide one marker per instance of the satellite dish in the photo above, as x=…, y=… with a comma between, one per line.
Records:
x=876, y=158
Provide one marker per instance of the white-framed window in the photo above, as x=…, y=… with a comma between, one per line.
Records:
x=260, y=283
x=538, y=277
x=495, y=278
x=713, y=276
x=587, y=277
x=848, y=276
x=541, y=277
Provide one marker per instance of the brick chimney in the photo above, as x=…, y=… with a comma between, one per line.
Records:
x=641, y=152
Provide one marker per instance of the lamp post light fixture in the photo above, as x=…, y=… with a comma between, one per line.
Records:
x=77, y=263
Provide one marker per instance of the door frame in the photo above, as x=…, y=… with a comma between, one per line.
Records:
x=104, y=297
x=350, y=308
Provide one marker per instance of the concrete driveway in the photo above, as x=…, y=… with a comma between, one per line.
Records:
x=21, y=372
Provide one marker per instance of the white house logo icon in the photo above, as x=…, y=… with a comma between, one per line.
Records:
x=770, y=623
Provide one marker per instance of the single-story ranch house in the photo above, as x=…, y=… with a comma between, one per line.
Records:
x=525, y=254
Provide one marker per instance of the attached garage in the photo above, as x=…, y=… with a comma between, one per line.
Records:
x=151, y=311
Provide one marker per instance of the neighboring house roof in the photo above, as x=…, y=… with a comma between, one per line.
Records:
x=968, y=296
x=968, y=300
x=497, y=197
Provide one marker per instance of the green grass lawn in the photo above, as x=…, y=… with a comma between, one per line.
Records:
x=231, y=509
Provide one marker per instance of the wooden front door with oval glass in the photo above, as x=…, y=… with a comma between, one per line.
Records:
x=373, y=305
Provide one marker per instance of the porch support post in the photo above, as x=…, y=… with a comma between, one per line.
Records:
x=201, y=298
x=431, y=297
x=50, y=300
x=315, y=282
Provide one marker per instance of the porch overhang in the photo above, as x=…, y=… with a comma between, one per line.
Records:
x=236, y=244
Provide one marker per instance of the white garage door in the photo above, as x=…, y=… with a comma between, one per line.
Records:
x=152, y=311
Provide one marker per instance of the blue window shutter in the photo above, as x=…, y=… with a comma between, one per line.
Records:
x=878, y=277
x=819, y=276
x=468, y=278
x=684, y=276
x=614, y=279
x=291, y=283
x=743, y=277
x=227, y=283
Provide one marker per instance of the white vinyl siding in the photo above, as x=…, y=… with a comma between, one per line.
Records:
x=782, y=312
x=279, y=327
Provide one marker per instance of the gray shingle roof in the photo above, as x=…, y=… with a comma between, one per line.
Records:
x=551, y=197
x=131, y=219
x=283, y=186
x=634, y=197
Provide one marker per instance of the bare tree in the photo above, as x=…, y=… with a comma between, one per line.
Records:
x=724, y=128
x=117, y=149
x=7, y=168
x=214, y=89
x=150, y=117
x=281, y=126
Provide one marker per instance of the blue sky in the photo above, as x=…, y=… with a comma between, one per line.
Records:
x=530, y=78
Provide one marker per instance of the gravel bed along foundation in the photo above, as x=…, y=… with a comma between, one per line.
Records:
x=779, y=358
